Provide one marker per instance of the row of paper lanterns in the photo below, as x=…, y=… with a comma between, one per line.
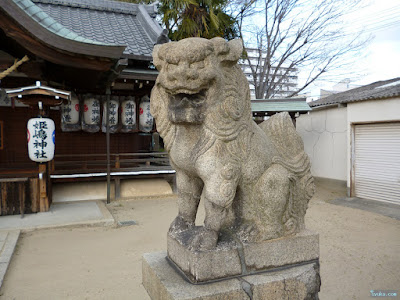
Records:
x=122, y=115
x=41, y=131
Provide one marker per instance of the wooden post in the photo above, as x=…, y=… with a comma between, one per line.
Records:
x=52, y=166
x=117, y=182
x=21, y=195
x=35, y=194
x=156, y=141
x=117, y=163
x=108, y=93
x=3, y=198
x=44, y=200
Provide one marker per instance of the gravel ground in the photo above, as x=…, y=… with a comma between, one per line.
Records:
x=360, y=251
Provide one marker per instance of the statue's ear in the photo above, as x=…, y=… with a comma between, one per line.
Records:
x=228, y=52
x=156, y=59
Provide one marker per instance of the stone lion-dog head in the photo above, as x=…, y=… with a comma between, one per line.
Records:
x=200, y=83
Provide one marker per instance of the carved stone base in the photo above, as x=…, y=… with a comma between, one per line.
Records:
x=162, y=282
x=232, y=258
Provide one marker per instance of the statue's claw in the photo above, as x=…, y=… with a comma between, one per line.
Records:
x=179, y=225
x=205, y=239
x=290, y=226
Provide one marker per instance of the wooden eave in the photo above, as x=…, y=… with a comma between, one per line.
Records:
x=45, y=44
x=31, y=95
x=138, y=57
x=139, y=74
x=271, y=106
x=33, y=100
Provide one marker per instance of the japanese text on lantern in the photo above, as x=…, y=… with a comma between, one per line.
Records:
x=96, y=111
x=40, y=137
x=130, y=113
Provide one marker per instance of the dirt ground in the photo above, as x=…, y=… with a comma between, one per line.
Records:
x=360, y=251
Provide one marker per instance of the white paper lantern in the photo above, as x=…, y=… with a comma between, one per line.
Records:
x=128, y=112
x=114, y=105
x=91, y=111
x=70, y=112
x=91, y=114
x=113, y=116
x=70, y=115
x=41, y=139
x=145, y=117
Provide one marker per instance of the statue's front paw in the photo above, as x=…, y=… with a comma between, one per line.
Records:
x=290, y=226
x=179, y=225
x=205, y=239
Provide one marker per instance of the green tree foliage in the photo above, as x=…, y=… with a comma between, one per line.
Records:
x=197, y=18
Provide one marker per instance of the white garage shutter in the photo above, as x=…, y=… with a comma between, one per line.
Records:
x=377, y=162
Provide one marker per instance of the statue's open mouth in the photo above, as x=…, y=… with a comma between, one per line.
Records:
x=187, y=108
x=188, y=100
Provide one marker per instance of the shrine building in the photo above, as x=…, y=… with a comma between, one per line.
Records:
x=66, y=61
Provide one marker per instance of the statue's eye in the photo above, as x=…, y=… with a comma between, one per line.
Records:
x=197, y=65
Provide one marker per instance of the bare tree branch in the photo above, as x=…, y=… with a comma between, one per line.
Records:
x=295, y=35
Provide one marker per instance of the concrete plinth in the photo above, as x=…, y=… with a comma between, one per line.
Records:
x=233, y=258
x=162, y=282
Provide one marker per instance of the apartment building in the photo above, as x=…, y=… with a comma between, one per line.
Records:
x=284, y=89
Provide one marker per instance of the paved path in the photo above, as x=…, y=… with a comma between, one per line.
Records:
x=383, y=208
x=61, y=215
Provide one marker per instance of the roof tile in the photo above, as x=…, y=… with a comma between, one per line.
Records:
x=48, y=22
x=25, y=4
x=103, y=21
x=272, y=105
x=41, y=16
x=32, y=10
x=377, y=90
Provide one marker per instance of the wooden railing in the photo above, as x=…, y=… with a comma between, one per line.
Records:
x=117, y=161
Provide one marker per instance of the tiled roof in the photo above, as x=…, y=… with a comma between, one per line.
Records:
x=377, y=90
x=51, y=24
x=289, y=105
x=110, y=22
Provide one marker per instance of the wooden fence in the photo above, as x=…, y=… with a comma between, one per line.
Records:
x=24, y=191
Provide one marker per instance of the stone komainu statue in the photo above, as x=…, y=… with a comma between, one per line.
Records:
x=254, y=180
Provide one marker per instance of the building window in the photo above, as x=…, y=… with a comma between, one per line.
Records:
x=1, y=136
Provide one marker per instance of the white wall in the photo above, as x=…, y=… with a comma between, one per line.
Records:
x=370, y=111
x=374, y=111
x=327, y=134
x=324, y=135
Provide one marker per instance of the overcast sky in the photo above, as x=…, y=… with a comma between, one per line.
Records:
x=382, y=18
x=381, y=58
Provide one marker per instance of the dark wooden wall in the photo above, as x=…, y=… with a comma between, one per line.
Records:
x=15, y=151
x=19, y=197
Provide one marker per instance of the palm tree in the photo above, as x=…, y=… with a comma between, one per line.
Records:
x=197, y=18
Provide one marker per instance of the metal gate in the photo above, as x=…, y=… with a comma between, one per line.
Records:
x=376, y=155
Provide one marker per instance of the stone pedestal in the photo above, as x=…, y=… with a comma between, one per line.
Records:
x=232, y=258
x=162, y=282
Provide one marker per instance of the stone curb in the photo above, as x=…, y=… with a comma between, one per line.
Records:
x=7, y=250
x=107, y=220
